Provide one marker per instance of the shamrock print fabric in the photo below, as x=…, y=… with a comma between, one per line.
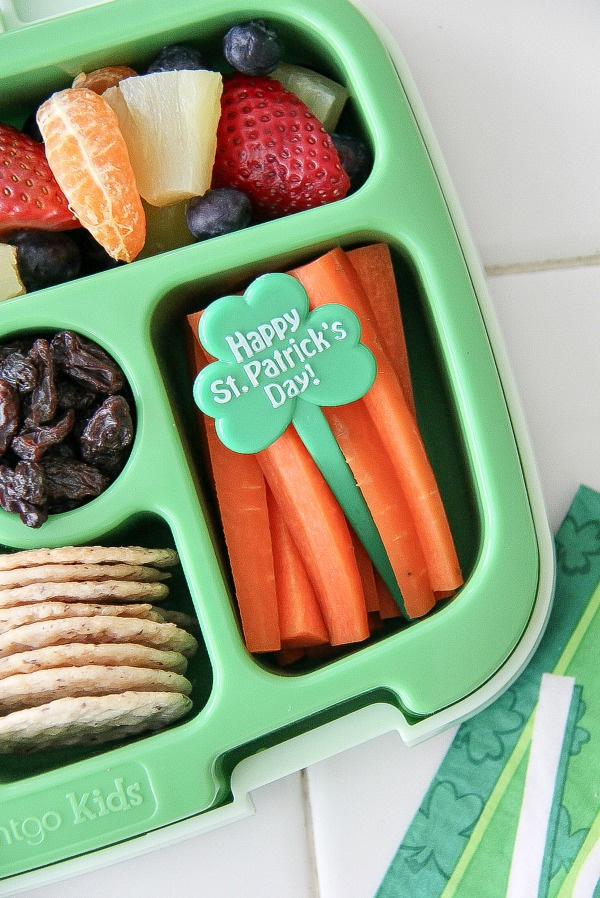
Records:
x=462, y=839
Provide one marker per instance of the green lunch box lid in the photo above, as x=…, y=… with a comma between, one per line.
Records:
x=253, y=721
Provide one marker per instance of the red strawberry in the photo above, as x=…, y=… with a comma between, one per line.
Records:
x=29, y=194
x=271, y=146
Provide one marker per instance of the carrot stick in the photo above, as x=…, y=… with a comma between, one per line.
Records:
x=242, y=499
x=375, y=270
x=286, y=657
x=367, y=574
x=369, y=461
x=375, y=622
x=387, y=606
x=321, y=533
x=331, y=278
x=300, y=620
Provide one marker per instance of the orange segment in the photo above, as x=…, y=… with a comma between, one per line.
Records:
x=89, y=159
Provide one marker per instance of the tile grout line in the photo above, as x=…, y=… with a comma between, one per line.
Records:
x=310, y=832
x=542, y=265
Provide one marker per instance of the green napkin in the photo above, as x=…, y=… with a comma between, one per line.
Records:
x=465, y=840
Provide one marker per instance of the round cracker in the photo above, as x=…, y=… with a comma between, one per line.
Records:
x=183, y=620
x=89, y=555
x=86, y=653
x=19, y=615
x=60, y=573
x=91, y=591
x=98, y=629
x=90, y=720
x=43, y=686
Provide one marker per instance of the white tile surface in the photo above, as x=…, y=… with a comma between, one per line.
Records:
x=362, y=802
x=510, y=87
x=550, y=321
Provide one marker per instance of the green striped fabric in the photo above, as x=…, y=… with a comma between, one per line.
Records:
x=460, y=842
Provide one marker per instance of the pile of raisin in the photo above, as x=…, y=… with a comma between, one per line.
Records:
x=66, y=424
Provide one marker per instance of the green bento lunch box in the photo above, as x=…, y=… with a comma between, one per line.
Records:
x=252, y=721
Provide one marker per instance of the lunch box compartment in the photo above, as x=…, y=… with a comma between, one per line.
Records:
x=151, y=531
x=435, y=411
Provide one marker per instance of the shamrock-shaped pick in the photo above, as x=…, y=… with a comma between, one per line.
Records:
x=272, y=354
x=277, y=362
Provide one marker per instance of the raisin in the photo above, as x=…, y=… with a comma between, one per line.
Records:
x=9, y=415
x=31, y=515
x=33, y=439
x=19, y=371
x=86, y=362
x=108, y=432
x=68, y=449
x=28, y=482
x=65, y=426
x=22, y=491
x=44, y=400
x=21, y=346
x=72, y=479
x=70, y=394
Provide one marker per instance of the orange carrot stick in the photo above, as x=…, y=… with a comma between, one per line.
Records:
x=369, y=461
x=375, y=270
x=242, y=499
x=331, y=278
x=387, y=606
x=321, y=533
x=367, y=574
x=300, y=620
x=375, y=622
x=287, y=657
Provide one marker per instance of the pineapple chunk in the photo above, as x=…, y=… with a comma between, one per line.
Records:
x=10, y=282
x=169, y=122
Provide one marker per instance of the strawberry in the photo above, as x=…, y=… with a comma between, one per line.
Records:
x=271, y=146
x=29, y=194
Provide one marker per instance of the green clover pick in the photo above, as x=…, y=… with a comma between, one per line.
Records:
x=277, y=362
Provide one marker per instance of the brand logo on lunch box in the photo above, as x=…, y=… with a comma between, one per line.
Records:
x=75, y=814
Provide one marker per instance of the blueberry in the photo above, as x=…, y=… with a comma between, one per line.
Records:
x=355, y=158
x=45, y=258
x=175, y=57
x=219, y=211
x=253, y=48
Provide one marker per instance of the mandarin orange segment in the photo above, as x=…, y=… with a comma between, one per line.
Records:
x=89, y=159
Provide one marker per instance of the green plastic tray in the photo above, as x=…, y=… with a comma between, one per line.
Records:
x=251, y=721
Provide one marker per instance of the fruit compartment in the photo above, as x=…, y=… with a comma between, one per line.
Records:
x=137, y=46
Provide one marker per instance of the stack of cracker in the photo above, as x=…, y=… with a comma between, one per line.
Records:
x=86, y=656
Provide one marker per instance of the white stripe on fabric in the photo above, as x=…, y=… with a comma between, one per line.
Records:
x=551, y=716
x=589, y=875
